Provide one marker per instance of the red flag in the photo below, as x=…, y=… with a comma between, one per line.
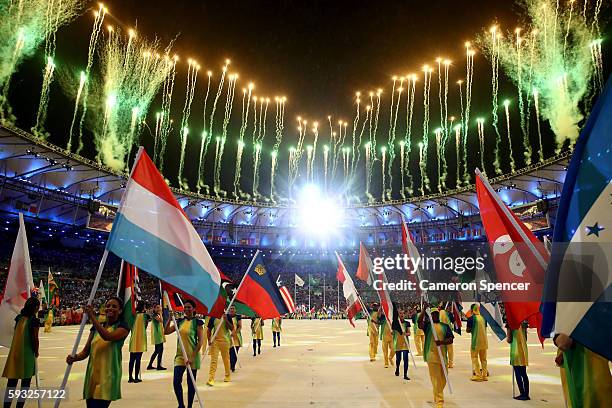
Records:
x=518, y=255
x=364, y=269
x=383, y=294
x=413, y=254
x=353, y=305
x=177, y=297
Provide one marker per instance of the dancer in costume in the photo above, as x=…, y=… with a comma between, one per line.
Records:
x=219, y=340
x=192, y=334
x=373, y=331
x=477, y=326
x=430, y=352
x=21, y=359
x=103, y=347
x=276, y=330
x=158, y=338
x=236, y=337
x=401, y=331
x=138, y=342
x=257, y=334
x=519, y=359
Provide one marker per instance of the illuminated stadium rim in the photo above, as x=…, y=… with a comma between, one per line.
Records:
x=563, y=156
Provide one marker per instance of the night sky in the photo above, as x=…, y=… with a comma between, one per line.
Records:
x=317, y=53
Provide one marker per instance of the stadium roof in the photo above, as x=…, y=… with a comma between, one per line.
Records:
x=62, y=185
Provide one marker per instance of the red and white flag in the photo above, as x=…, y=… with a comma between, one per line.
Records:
x=287, y=298
x=353, y=304
x=19, y=285
x=414, y=257
x=518, y=255
x=365, y=267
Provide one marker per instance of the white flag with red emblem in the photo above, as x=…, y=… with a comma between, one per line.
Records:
x=353, y=304
x=19, y=285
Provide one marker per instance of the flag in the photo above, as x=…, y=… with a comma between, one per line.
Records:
x=365, y=266
x=285, y=295
x=457, y=317
x=383, y=295
x=584, y=219
x=299, y=281
x=259, y=291
x=492, y=314
x=353, y=305
x=152, y=232
x=128, y=291
x=52, y=289
x=19, y=285
x=411, y=250
x=517, y=260
x=42, y=295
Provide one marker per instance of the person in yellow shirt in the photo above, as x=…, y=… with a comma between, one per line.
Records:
x=585, y=375
x=257, y=334
x=477, y=326
x=446, y=317
x=276, y=330
x=401, y=331
x=386, y=337
x=373, y=331
x=519, y=359
x=138, y=342
x=444, y=334
x=419, y=335
x=221, y=329
x=158, y=338
x=236, y=336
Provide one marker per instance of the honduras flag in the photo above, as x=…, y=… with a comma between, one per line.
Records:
x=584, y=225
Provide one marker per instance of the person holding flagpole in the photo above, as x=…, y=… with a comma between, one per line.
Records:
x=519, y=359
x=138, y=342
x=158, y=338
x=435, y=352
x=276, y=330
x=102, y=383
x=401, y=331
x=190, y=330
x=387, y=339
x=220, y=343
x=21, y=360
x=257, y=334
x=446, y=317
x=373, y=330
x=236, y=336
x=477, y=326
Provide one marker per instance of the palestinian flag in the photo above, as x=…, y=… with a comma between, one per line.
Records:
x=177, y=296
x=52, y=289
x=129, y=291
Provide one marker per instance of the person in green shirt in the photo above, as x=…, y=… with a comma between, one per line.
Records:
x=191, y=333
x=138, y=342
x=158, y=338
x=236, y=340
x=102, y=383
x=21, y=359
x=519, y=359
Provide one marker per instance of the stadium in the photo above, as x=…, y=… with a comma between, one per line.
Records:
x=114, y=191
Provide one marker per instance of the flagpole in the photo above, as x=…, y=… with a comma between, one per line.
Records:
x=92, y=294
x=338, y=298
x=442, y=363
x=309, y=293
x=180, y=341
x=38, y=381
x=324, y=306
x=508, y=214
x=120, y=278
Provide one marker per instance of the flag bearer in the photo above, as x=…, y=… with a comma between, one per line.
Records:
x=257, y=334
x=373, y=330
x=138, y=342
x=387, y=339
x=236, y=337
x=102, y=383
x=192, y=335
x=223, y=328
x=446, y=317
x=21, y=359
x=430, y=352
x=419, y=334
x=276, y=330
x=519, y=359
x=401, y=331
x=158, y=338
x=477, y=326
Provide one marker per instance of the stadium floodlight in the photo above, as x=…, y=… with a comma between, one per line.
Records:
x=318, y=215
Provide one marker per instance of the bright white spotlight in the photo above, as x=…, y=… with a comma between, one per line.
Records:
x=318, y=215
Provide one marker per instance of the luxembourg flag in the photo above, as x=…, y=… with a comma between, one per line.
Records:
x=152, y=232
x=577, y=298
